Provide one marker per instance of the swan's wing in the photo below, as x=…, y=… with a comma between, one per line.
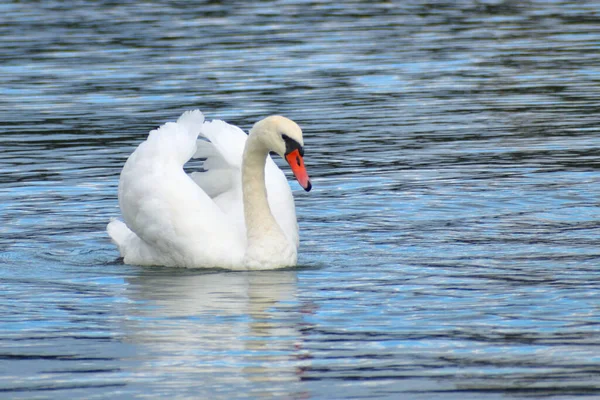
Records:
x=217, y=175
x=222, y=148
x=170, y=213
x=228, y=140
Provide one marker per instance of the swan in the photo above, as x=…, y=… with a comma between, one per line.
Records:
x=236, y=213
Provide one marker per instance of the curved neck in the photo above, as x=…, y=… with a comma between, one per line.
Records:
x=257, y=213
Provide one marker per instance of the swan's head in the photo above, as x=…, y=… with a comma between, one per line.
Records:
x=284, y=137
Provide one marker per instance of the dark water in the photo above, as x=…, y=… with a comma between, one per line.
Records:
x=449, y=249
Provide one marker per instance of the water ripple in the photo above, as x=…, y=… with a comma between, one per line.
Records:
x=448, y=249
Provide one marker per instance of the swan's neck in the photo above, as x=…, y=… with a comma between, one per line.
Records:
x=261, y=226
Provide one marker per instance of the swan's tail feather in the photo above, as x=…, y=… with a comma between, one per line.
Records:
x=133, y=249
x=118, y=232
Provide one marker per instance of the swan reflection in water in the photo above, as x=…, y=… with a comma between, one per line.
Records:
x=218, y=328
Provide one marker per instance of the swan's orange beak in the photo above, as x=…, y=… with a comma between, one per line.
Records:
x=297, y=164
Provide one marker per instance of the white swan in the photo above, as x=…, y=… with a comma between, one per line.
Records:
x=238, y=213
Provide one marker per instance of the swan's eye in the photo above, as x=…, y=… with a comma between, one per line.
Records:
x=291, y=145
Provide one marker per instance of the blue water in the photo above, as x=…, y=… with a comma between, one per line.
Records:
x=449, y=247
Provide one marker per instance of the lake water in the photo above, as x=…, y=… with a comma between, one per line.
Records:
x=450, y=247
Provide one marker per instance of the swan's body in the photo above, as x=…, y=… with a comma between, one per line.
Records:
x=238, y=214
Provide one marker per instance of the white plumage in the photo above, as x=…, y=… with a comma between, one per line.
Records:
x=220, y=217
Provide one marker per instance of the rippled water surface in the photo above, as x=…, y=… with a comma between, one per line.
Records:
x=450, y=246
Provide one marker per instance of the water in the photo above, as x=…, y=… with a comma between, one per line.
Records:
x=449, y=248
